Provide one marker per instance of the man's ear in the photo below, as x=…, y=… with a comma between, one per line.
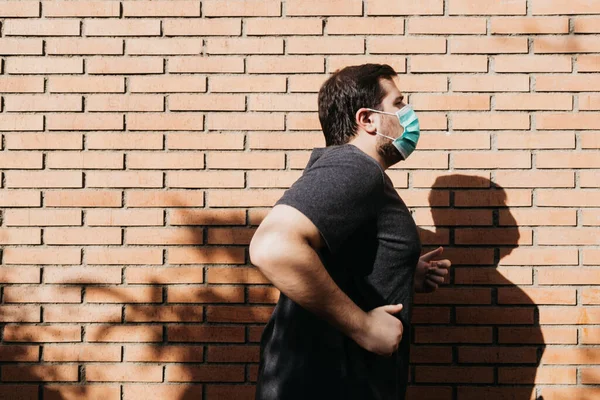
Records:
x=365, y=119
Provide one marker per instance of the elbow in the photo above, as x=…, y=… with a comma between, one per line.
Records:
x=260, y=251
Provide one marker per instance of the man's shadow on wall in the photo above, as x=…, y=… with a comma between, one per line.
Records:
x=478, y=334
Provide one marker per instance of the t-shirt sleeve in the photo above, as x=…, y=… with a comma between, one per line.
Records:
x=338, y=194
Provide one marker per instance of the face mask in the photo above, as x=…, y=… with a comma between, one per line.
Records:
x=407, y=142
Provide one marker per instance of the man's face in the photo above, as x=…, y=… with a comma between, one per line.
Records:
x=389, y=125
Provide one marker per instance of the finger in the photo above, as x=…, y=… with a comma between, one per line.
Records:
x=431, y=285
x=443, y=263
x=432, y=254
x=393, y=309
x=435, y=279
x=437, y=272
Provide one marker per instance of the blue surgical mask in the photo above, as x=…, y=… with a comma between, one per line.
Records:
x=407, y=142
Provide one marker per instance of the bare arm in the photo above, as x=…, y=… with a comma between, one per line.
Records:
x=284, y=249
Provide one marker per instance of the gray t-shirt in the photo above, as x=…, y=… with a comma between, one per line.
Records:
x=372, y=249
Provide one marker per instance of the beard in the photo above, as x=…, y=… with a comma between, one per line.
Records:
x=388, y=151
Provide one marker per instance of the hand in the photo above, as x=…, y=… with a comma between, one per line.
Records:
x=430, y=274
x=382, y=331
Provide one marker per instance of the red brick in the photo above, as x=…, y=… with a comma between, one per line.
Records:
x=537, y=335
x=19, y=84
x=588, y=63
x=63, y=392
x=494, y=315
x=529, y=25
x=245, y=121
x=590, y=218
x=82, y=353
x=84, y=46
x=539, y=256
x=537, y=63
x=20, y=236
x=235, y=275
x=85, y=313
x=589, y=336
x=574, y=198
x=17, y=9
x=21, y=160
x=557, y=140
x=118, y=27
x=158, y=392
x=491, y=121
x=205, y=179
x=117, y=256
x=586, y=25
x=163, y=236
x=162, y=46
x=206, y=217
x=21, y=122
x=161, y=9
x=589, y=102
x=535, y=179
x=540, y=375
x=202, y=102
x=303, y=121
x=22, y=46
x=493, y=198
x=377, y=45
x=455, y=296
x=590, y=296
x=245, y=84
x=253, y=314
x=534, y=101
x=285, y=64
x=564, y=7
x=567, y=44
x=245, y=46
x=562, y=316
x=205, y=373
x=568, y=276
x=318, y=8
x=124, y=333
x=84, y=160
x=164, y=313
x=221, y=255
x=495, y=160
x=488, y=45
x=166, y=84
x=449, y=63
x=574, y=236
x=159, y=198
x=43, y=103
x=43, y=141
x=207, y=27
x=40, y=373
x=266, y=295
x=123, y=373
x=493, y=276
x=567, y=160
x=425, y=7
x=210, y=334
x=272, y=179
x=83, y=198
x=85, y=122
x=149, y=353
x=440, y=217
x=124, y=141
x=490, y=83
x=497, y=355
x=242, y=353
x=82, y=235
x=246, y=8
x=454, y=374
x=160, y=160
x=41, y=27
x=121, y=295
x=283, y=26
x=50, y=294
x=20, y=313
x=335, y=62
x=86, y=84
x=44, y=333
x=244, y=198
x=575, y=83
x=570, y=355
x=124, y=179
x=495, y=393
x=81, y=9
x=125, y=103
x=12, y=353
x=536, y=296
x=19, y=275
x=165, y=122
x=191, y=294
x=487, y=7
x=42, y=256
x=82, y=275
x=445, y=25
x=204, y=64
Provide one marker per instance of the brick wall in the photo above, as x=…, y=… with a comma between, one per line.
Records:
x=144, y=141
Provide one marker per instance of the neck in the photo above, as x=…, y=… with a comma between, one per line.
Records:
x=368, y=148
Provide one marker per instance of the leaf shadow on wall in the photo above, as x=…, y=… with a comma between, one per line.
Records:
x=195, y=323
x=479, y=334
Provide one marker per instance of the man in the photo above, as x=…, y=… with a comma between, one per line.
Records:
x=343, y=249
